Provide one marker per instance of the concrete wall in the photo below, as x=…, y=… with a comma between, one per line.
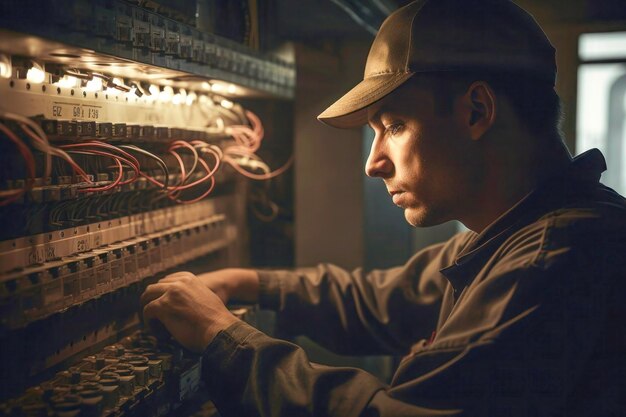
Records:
x=329, y=173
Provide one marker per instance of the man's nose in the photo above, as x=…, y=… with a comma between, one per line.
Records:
x=378, y=163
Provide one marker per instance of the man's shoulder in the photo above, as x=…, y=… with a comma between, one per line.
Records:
x=600, y=212
x=590, y=228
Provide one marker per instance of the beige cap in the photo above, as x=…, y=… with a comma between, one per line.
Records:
x=445, y=35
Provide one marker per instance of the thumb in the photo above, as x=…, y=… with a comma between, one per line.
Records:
x=151, y=314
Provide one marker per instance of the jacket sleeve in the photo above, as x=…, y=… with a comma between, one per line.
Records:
x=528, y=331
x=380, y=312
x=251, y=374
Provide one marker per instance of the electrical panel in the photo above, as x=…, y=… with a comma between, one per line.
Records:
x=126, y=152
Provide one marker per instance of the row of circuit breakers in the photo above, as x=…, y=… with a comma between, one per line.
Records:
x=134, y=32
x=105, y=189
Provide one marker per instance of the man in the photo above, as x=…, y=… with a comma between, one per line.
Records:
x=521, y=316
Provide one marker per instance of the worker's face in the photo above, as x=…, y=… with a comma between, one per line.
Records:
x=425, y=156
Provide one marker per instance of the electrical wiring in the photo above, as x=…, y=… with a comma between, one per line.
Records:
x=118, y=160
x=237, y=165
x=177, y=144
x=203, y=195
x=12, y=195
x=160, y=162
x=274, y=209
x=40, y=140
x=188, y=166
x=213, y=150
x=248, y=140
x=125, y=157
x=247, y=137
x=231, y=115
x=99, y=144
x=114, y=184
x=208, y=177
x=59, y=153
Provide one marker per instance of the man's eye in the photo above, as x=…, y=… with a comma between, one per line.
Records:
x=393, y=129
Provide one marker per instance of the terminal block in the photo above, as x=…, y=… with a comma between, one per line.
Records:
x=137, y=377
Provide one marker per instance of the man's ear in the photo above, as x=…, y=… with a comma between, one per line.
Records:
x=481, y=107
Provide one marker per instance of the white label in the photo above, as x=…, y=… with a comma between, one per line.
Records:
x=75, y=111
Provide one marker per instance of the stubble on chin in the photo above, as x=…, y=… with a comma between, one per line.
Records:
x=422, y=217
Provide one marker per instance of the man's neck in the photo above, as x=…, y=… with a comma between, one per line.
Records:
x=510, y=176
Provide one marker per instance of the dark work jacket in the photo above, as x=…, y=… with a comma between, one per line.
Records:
x=524, y=319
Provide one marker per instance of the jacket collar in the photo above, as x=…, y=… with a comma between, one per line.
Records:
x=583, y=172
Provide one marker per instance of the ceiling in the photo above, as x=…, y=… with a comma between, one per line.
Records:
x=323, y=19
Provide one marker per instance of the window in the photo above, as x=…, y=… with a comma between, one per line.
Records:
x=601, y=121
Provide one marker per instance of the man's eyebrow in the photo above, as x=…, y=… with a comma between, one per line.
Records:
x=375, y=118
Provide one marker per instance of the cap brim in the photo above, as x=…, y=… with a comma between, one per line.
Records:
x=351, y=109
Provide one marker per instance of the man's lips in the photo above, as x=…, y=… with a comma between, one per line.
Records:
x=397, y=197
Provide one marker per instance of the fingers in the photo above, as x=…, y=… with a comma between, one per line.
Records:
x=152, y=318
x=151, y=311
x=152, y=292
x=178, y=276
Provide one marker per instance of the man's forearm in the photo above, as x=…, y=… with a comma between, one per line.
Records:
x=233, y=284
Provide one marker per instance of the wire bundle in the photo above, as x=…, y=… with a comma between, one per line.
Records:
x=196, y=162
x=40, y=142
x=243, y=155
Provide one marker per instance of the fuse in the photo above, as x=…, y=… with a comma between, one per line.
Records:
x=118, y=130
x=124, y=23
x=87, y=278
x=104, y=130
x=141, y=28
x=86, y=128
x=157, y=33
x=172, y=38
x=71, y=284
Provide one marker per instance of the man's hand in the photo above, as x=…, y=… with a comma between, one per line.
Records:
x=232, y=284
x=191, y=312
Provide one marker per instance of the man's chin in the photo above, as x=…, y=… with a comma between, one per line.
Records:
x=421, y=217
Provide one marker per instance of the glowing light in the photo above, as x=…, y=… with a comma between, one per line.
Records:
x=130, y=94
x=95, y=84
x=5, y=70
x=167, y=94
x=154, y=90
x=68, y=81
x=191, y=97
x=36, y=75
x=178, y=99
x=206, y=85
x=5, y=66
x=218, y=87
x=232, y=89
x=227, y=104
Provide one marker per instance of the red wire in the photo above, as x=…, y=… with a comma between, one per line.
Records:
x=197, y=182
x=116, y=157
x=151, y=179
x=217, y=159
x=131, y=164
x=183, y=172
x=28, y=158
x=114, y=184
x=132, y=161
x=212, y=178
x=73, y=164
x=253, y=176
